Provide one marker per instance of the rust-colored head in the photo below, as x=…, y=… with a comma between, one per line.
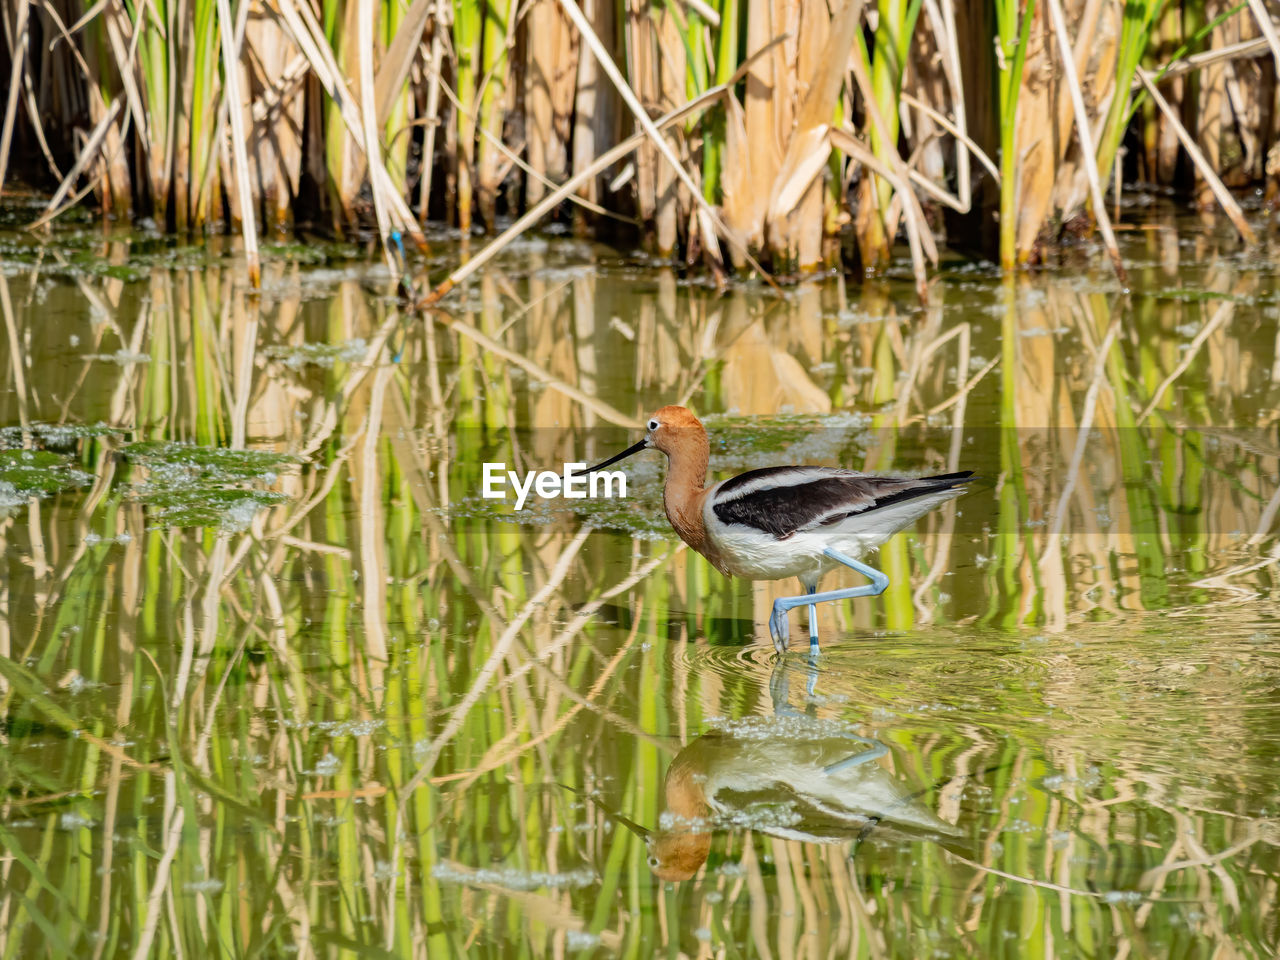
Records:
x=680, y=435
x=673, y=428
x=680, y=848
x=680, y=853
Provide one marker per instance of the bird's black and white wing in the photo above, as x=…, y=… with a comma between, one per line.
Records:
x=782, y=501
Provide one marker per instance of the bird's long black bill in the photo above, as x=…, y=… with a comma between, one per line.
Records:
x=634, y=448
x=641, y=832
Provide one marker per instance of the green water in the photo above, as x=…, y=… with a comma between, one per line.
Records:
x=338, y=704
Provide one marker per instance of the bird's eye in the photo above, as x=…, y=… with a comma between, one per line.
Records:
x=653, y=861
x=653, y=424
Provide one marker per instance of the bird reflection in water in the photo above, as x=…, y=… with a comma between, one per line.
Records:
x=792, y=776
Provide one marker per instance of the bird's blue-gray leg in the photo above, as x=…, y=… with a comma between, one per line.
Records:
x=778, y=625
x=813, y=621
x=877, y=751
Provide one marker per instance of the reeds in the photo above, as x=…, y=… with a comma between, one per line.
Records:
x=354, y=113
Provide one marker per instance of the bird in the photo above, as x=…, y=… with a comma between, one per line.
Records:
x=779, y=522
x=793, y=777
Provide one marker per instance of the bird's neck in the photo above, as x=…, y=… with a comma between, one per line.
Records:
x=683, y=493
x=686, y=794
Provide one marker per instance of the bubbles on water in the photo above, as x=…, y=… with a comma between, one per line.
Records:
x=669, y=821
x=1020, y=826
x=510, y=878
x=121, y=357
x=784, y=726
x=350, y=728
x=239, y=516
x=93, y=539
x=763, y=817
x=328, y=765
x=1129, y=897
x=323, y=355
x=852, y=318
x=581, y=940
x=76, y=683
x=9, y=496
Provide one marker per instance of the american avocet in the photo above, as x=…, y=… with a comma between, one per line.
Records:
x=784, y=521
x=744, y=774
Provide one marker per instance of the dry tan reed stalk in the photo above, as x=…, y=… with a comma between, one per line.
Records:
x=658, y=64
x=1224, y=198
x=274, y=74
x=1243, y=50
x=914, y=216
x=231, y=75
x=18, y=43
x=918, y=236
x=950, y=43
x=393, y=70
x=1086, y=137
x=494, y=92
x=111, y=17
x=1263, y=17
x=17, y=360
x=602, y=162
x=515, y=160
x=300, y=23
x=962, y=197
x=87, y=155
x=595, y=106
x=755, y=133
x=810, y=144
x=642, y=118
x=434, y=83
x=550, y=71
x=369, y=116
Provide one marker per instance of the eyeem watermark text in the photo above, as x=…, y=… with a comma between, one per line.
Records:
x=548, y=484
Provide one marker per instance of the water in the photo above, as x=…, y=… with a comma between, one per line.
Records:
x=337, y=703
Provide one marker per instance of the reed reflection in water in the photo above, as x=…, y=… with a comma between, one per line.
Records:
x=386, y=713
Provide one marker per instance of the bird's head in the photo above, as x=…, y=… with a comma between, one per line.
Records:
x=671, y=427
x=678, y=854
x=667, y=429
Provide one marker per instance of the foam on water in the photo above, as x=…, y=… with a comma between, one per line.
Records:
x=510, y=878
x=784, y=726
x=323, y=355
